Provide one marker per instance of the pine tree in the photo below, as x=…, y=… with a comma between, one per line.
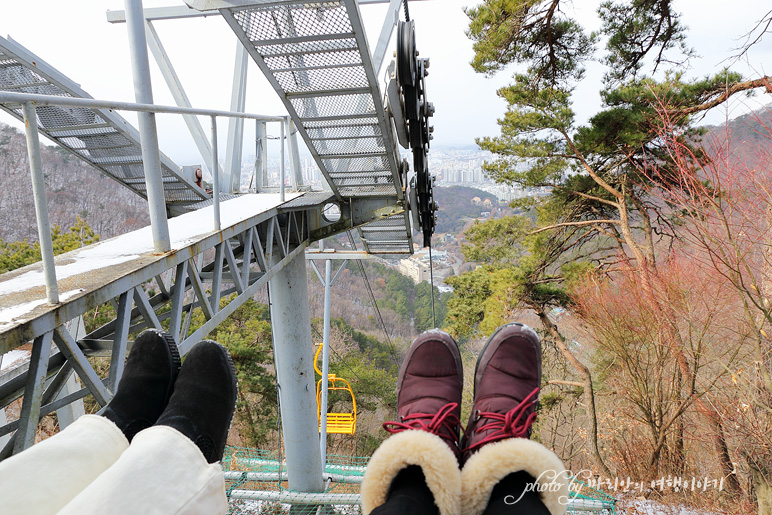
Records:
x=599, y=209
x=17, y=254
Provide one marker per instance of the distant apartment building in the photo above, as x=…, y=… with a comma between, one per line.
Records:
x=415, y=270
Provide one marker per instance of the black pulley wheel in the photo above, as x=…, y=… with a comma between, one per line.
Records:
x=406, y=58
x=412, y=103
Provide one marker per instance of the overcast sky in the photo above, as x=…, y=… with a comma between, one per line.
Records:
x=75, y=38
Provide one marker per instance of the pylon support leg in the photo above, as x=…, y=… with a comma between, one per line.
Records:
x=290, y=321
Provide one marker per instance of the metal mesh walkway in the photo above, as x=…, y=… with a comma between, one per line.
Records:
x=100, y=137
x=315, y=55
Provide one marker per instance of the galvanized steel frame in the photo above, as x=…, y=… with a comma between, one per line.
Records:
x=236, y=260
x=362, y=47
x=343, y=181
x=178, y=93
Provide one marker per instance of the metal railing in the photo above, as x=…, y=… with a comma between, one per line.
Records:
x=30, y=102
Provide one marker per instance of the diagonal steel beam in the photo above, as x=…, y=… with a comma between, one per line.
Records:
x=77, y=359
x=257, y=248
x=178, y=93
x=389, y=22
x=118, y=354
x=198, y=288
x=246, y=257
x=249, y=292
x=144, y=307
x=217, y=277
x=33, y=393
x=178, y=295
x=233, y=268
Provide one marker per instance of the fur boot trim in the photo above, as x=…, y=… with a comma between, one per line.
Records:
x=493, y=462
x=414, y=447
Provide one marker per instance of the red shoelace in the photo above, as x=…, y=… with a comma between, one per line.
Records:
x=443, y=419
x=507, y=425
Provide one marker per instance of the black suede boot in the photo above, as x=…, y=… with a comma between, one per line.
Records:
x=147, y=383
x=204, y=399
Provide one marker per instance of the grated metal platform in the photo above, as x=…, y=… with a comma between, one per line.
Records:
x=100, y=137
x=315, y=55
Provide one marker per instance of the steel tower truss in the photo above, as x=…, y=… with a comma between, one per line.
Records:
x=315, y=54
x=236, y=260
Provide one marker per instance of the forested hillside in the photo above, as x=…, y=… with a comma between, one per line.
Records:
x=456, y=206
x=73, y=189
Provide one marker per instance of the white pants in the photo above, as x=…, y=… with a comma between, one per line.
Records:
x=90, y=468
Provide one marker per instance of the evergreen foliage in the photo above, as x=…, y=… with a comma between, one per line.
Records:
x=599, y=201
x=17, y=254
x=407, y=299
x=605, y=215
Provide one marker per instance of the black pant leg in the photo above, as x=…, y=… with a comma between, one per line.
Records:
x=509, y=497
x=408, y=495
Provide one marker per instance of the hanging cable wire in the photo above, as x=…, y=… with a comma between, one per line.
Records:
x=431, y=285
x=372, y=299
x=407, y=12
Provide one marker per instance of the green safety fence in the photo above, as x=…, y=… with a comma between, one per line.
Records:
x=256, y=484
x=587, y=496
x=259, y=471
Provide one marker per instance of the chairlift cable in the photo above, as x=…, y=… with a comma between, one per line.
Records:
x=431, y=285
x=372, y=299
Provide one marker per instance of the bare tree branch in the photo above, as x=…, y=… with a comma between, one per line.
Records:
x=725, y=93
x=574, y=224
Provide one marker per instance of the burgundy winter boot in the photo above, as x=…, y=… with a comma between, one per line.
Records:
x=429, y=389
x=496, y=444
x=427, y=431
x=506, y=387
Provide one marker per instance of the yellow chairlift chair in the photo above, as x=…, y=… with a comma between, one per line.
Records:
x=340, y=423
